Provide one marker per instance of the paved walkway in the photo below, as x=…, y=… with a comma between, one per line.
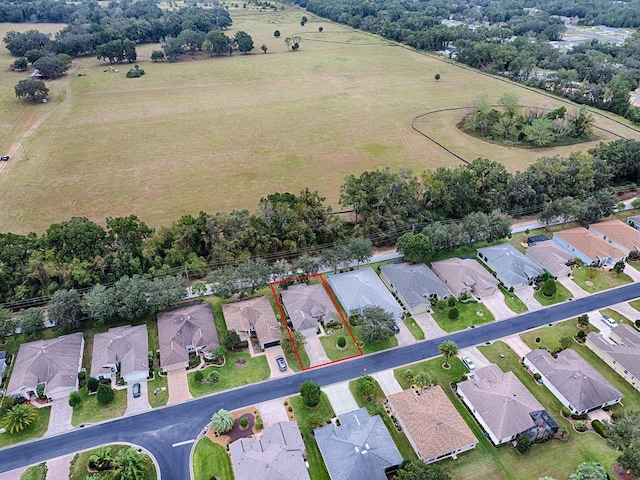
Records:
x=404, y=336
x=271, y=354
x=573, y=287
x=387, y=382
x=60, y=419
x=429, y=326
x=526, y=295
x=632, y=272
x=517, y=345
x=58, y=468
x=140, y=404
x=626, y=310
x=341, y=398
x=495, y=304
x=272, y=412
x=316, y=353
x=178, y=386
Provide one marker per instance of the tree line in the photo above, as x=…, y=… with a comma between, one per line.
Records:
x=79, y=253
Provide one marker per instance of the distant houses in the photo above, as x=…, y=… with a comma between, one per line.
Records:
x=465, y=275
x=504, y=407
x=415, y=285
x=622, y=236
x=359, y=448
x=622, y=353
x=573, y=381
x=512, y=268
x=185, y=331
x=432, y=424
x=307, y=306
x=362, y=288
x=121, y=349
x=253, y=317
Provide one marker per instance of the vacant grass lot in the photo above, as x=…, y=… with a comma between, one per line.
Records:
x=91, y=411
x=220, y=132
x=210, y=460
x=240, y=369
x=317, y=468
x=595, y=279
x=37, y=429
x=470, y=313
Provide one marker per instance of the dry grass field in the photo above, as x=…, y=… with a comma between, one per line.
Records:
x=216, y=134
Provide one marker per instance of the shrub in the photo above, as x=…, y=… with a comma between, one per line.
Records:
x=334, y=324
x=92, y=384
x=135, y=72
x=408, y=374
x=638, y=323
x=537, y=376
x=244, y=422
x=549, y=288
x=198, y=376
x=40, y=392
x=580, y=426
x=310, y=393
x=523, y=443
x=583, y=320
x=105, y=394
x=454, y=313
x=290, y=408
x=74, y=399
x=598, y=426
x=451, y=301
x=276, y=33
x=213, y=376
x=259, y=423
x=314, y=421
x=537, y=339
x=581, y=335
x=565, y=412
x=342, y=342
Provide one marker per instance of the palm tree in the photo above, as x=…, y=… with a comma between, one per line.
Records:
x=448, y=348
x=129, y=465
x=19, y=417
x=102, y=459
x=423, y=380
x=222, y=421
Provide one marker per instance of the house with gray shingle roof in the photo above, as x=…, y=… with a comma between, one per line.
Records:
x=183, y=331
x=360, y=448
x=432, y=424
x=253, y=316
x=124, y=349
x=634, y=221
x=552, y=257
x=572, y=380
x=504, y=407
x=307, y=306
x=415, y=285
x=622, y=353
x=362, y=288
x=54, y=363
x=512, y=268
x=277, y=455
x=465, y=275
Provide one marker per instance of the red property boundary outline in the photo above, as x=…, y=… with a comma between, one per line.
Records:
x=335, y=304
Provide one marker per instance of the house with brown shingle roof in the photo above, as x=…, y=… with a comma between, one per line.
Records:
x=277, y=455
x=432, y=424
x=621, y=352
x=504, y=407
x=465, y=275
x=253, y=316
x=572, y=380
x=552, y=257
x=124, y=349
x=619, y=234
x=183, y=331
x=588, y=247
x=54, y=363
x=307, y=306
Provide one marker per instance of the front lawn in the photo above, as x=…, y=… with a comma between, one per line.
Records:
x=329, y=344
x=91, y=411
x=37, y=472
x=635, y=304
x=375, y=406
x=79, y=465
x=469, y=313
x=550, y=336
x=413, y=327
x=366, y=348
x=405, y=375
x=562, y=294
x=36, y=430
x=211, y=460
x=239, y=369
x=618, y=317
x=157, y=396
x=513, y=302
x=593, y=280
x=303, y=414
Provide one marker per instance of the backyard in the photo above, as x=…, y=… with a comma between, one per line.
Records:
x=239, y=369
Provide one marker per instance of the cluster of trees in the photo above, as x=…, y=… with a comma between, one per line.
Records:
x=32, y=89
x=530, y=126
x=623, y=434
x=214, y=42
x=79, y=253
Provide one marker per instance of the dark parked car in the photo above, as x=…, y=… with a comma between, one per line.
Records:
x=4, y=158
x=396, y=328
x=282, y=365
x=136, y=390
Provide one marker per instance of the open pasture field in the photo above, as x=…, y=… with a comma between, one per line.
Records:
x=216, y=134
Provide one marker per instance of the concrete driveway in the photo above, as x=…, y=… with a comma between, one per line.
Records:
x=573, y=287
x=429, y=326
x=595, y=318
x=526, y=295
x=178, y=386
x=387, y=382
x=140, y=404
x=495, y=304
x=517, y=345
x=632, y=272
x=316, y=353
x=60, y=419
x=475, y=355
x=341, y=398
x=271, y=354
x=58, y=468
x=627, y=310
x=404, y=336
x=272, y=412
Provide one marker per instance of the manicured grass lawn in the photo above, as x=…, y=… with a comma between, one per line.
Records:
x=37, y=429
x=550, y=336
x=375, y=406
x=513, y=302
x=233, y=374
x=618, y=317
x=635, y=264
x=317, y=468
x=37, y=472
x=211, y=460
x=413, y=327
x=390, y=342
x=561, y=295
x=159, y=381
x=470, y=313
x=91, y=411
x=293, y=361
x=599, y=279
x=635, y=304
x=329, y=343
x=78, y=469
x=434, y=368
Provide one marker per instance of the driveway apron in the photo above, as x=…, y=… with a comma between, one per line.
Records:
x=140, y=404
x=495, y=304
x=404, y=336
x=573, y=287
x=341, y=398
x=316, y=353
x=387, y=382
x=178, y=386
x=429, y=326
x=60, y=419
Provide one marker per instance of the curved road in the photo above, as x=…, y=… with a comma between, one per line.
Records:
x=159, y=430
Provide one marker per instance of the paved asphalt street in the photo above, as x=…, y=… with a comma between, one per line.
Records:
x=158, y=430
